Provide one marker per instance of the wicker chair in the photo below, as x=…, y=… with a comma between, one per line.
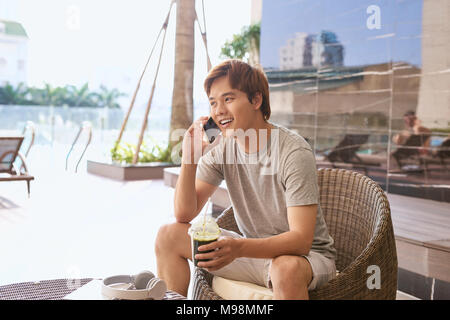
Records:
x=358, y=217
x=9, y=151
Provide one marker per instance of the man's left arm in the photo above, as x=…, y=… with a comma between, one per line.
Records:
x=297, y=241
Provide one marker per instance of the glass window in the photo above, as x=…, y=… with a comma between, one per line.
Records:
x=367, y=87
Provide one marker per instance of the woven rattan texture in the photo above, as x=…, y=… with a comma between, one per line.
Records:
x=358, y=217
x=54, y=290
x=41, y=290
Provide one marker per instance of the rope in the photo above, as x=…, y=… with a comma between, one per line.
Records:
x=204, y=17
x=203, y=34
x=144, y=125
x=149, y=103
x=164, y=27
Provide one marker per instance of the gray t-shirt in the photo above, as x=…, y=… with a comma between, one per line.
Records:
x=263, y=184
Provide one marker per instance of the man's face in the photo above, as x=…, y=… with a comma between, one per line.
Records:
x=409, y=120
x=230, y=104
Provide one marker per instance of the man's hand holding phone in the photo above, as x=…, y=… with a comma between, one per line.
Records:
x=194, y=142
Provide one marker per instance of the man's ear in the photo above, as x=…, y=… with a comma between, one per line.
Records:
x=257, y=100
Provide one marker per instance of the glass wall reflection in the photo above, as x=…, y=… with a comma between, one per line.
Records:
x=367, y=84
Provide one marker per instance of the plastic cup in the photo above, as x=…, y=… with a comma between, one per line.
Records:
x=203, y=232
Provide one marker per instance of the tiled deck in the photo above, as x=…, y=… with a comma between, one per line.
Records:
x=79, y=225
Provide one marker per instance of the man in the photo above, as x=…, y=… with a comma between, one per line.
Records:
x=413, y=126
x=285, y=243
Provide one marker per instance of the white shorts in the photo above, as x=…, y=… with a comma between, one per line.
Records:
x=257, y=271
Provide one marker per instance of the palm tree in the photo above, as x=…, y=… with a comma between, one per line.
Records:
x=13, y=96
x=52, y=96
x=59, y=96
x=36, y=96
x=108, y=98
x=81, y=97
x=182, y=96
x=244, y=46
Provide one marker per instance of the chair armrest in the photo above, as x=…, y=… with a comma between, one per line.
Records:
x=202, y=289
x=226, y=220
x=24, y=164
x=352, y=282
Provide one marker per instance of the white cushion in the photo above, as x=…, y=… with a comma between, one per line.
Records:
x=239, y=290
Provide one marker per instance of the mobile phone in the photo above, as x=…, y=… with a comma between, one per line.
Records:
x=211, y=129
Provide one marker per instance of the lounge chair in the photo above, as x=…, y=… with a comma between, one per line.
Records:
x=443, y=153
x=410, y=151
x=438, y=156
x=345, y=152
x=9, y=151
x=29, y=126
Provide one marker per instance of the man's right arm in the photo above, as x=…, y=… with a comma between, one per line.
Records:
x=191, y=194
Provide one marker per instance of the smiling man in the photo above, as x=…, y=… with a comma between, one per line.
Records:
x=285, y=244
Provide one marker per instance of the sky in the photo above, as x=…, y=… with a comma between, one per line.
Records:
x=398, y=38
x=108, y=41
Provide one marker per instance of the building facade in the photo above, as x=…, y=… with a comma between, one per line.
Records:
x=13, y=52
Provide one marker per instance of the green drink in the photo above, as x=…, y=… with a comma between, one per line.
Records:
x=202, y=233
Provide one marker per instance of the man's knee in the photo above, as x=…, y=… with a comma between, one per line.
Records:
x=290, y=270
x=171, y=236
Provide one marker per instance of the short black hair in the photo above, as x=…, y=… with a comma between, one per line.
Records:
x=409, y=113
x=244, y=77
